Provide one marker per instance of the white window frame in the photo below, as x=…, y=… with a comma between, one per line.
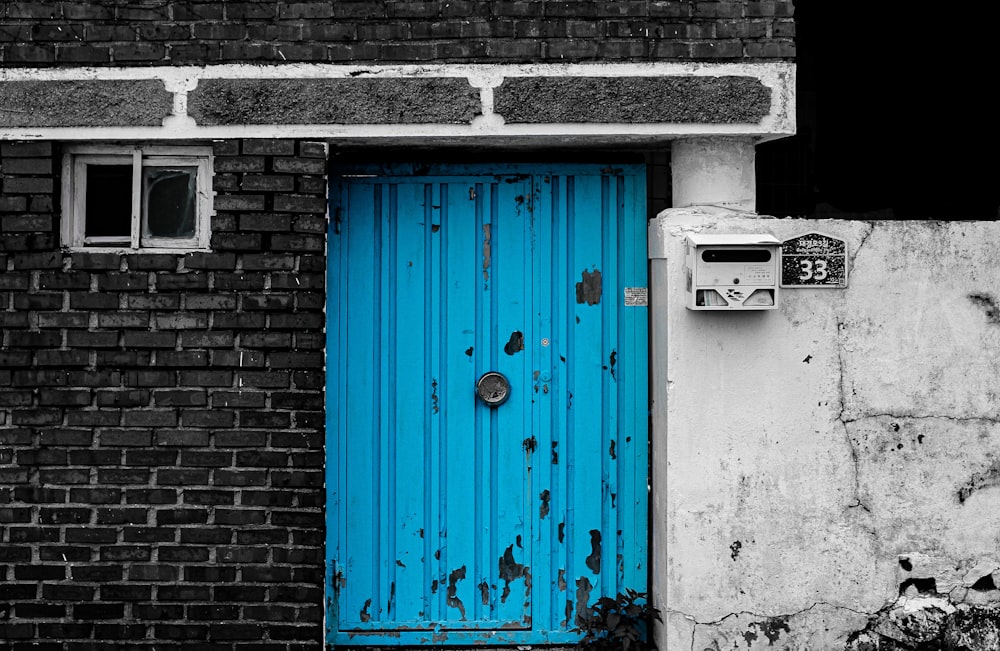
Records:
x=74, y=196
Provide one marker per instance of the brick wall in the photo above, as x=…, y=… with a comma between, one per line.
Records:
x=162, y=32
x=161, y=418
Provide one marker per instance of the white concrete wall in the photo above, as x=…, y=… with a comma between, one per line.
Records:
x=805, y=450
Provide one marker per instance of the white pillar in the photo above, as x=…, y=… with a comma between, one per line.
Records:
x=709, y=171
x=705, y=171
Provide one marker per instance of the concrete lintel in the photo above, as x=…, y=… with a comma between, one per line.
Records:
x=773, y=118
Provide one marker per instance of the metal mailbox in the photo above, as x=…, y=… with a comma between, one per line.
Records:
x=731, y=272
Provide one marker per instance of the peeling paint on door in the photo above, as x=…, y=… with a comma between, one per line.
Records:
x=588, y=290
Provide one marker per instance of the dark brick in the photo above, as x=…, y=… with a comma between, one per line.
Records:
x=46, y=301
x=99, y=611
x=87, y=301
x=181, y=631
x=125, y=438
x=180, y=397
x=96, y=495
x=241, y=593
x=181, y=476
x=208, y=418
x=126, y=592
x=157, y=611
x=140, y=339
x=240, y=478
x=237, y=242
x=240, y=202
x=236, y=631
x=128, y=475
x=213, y=339
x=120, y=516
x=210, y=574
x=182, y=438
x=150, y=458
x=99, y=573
x=239, y=320
x=126, y=553
x=38, y=495
x=181, y=516
x=195, y=280
x=267, y=498
x=183, y=592
x=138, y=52
x=68, y=592
x=64, y=397
x=61, y=632
x=153, y=301
x=31, y=611
x=149, y=534
x=10, y=515
x=39, y=572
x=151, y=496
x=65, y=476
x=211, y=536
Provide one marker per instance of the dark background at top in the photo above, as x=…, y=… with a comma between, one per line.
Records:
x=896, y=114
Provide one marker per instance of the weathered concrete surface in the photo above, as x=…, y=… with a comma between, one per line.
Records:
x=97, y=103
x=710, y=100
x=439, y=100
x=824, y=458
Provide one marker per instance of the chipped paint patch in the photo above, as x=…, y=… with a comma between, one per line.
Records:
x=452, y=599
x=594, y=560
x=583, y=589
x=588, y=290
x=543, y=508
x=515, y=344
x=510, y=571
x=484, y=591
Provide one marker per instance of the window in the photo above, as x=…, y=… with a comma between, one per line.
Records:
x=137, y=198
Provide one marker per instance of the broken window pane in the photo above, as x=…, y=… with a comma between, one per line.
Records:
x=109, y=201
x=169, y=195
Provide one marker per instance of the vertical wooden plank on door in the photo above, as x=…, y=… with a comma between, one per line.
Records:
x=584, y=529
x=633, y=364
x=513, y=441
x=361, y=288
x=458, y=441
x=411, y=391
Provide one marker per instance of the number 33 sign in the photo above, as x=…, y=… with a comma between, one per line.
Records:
x=814, y=260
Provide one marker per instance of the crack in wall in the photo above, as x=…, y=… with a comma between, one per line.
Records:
x=901, y=416
x=861, y=244
x=841, y=416
x=782, y=619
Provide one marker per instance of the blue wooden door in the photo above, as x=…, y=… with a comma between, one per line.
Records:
x=450, y=520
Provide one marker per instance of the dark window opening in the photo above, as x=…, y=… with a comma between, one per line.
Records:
x=109, y=201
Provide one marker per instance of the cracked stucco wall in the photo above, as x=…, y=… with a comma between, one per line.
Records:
x=813, y=451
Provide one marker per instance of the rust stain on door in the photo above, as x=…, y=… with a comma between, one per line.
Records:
x=487, y=250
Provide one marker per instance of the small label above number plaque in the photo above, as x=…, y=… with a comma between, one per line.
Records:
x=814, y=260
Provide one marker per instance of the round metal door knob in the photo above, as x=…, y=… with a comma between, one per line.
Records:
x=493, y=388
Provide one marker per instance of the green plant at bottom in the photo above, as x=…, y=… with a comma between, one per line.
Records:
x=623, y=623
